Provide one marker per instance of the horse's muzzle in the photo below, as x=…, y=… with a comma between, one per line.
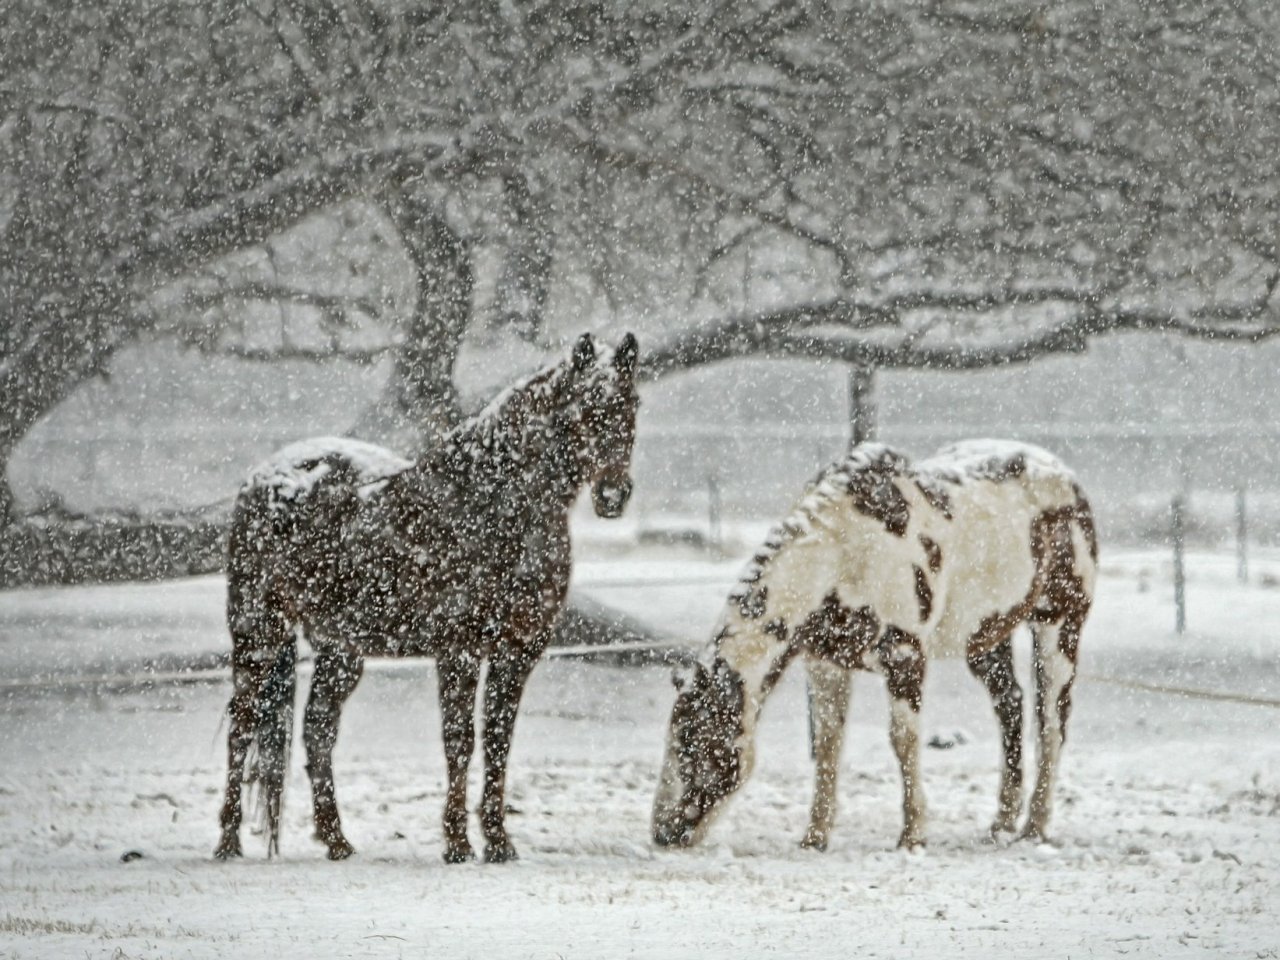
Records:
x=679, y=835
x=609, y=497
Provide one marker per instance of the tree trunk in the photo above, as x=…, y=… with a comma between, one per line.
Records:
x=420, y=401
x=75, y=343
x=522, y=290
x=8, y=509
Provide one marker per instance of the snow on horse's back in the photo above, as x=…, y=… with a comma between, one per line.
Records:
x=883, y=565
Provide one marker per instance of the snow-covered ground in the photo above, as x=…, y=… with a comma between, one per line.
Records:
x=1167, y=835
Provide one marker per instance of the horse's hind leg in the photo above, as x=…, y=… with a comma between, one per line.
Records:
x=459, y=676
x=335, y=677
x=504, y=686
x=994, y=668
x=903, y=663
x=251, y=669
x=829, y=685
x=1054, y=652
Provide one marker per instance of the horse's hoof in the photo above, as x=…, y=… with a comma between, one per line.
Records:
x=1033, y=834
x=500, y=853
x=812, y=842
x=340, y=850
x=910, y=843
x=463, y=854
x=1000, y=833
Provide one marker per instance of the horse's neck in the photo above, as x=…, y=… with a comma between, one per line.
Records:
x=552, y=477
x=535, y=465
x=758, y=657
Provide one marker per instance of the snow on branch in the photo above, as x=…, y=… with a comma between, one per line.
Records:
x=879, y=334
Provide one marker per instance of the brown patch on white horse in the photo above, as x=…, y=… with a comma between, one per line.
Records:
x=872, y=489
x=839, y=635
x=870, y=572
x=707, y=765
x=932, y=553
x=924, y=593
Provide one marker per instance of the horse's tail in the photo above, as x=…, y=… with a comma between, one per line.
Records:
x=272, y=737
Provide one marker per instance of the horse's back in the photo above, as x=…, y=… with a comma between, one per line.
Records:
x=297, y=470
x=290, y=514
x=1002, y=499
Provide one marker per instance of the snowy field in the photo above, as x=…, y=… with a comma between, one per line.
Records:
x=1166, y=839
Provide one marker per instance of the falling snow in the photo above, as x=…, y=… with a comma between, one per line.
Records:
x=227, y=227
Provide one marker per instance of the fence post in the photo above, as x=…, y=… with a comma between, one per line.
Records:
x=1242, y=538
x=1177, y=507
x=714, y=538
x=862, y=405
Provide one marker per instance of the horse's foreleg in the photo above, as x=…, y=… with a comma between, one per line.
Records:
x=333, y=680
x=1054, y=653
x=994, y=668
x=829, y=685
x=459, y=674
x=249, y=674
x=504, y=687
x=903, y=664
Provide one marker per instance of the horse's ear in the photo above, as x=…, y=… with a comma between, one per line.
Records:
x=625, y=357
x=584, y=352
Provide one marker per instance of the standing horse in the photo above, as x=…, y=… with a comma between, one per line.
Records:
x=463, y=555
x=882, y=566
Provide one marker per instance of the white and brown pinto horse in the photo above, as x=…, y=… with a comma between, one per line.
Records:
x=883, y=566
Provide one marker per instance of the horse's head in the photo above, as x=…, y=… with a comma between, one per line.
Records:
x=606, y=421
x=704, y=761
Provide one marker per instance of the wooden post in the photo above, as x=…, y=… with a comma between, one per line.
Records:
x=1242, y=538
x=862, y=406
x=1176, y=518
x=714, y=539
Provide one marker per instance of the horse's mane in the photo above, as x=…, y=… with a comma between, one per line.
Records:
x=501, y=427
x=865, y=460
x=500, y=432
x=495, y=440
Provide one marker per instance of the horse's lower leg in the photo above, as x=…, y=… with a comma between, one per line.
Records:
x=903, y=664
x=458, y=679
x=504, y=687
x=995, y=669
x=334, y=679
x=249, y=675
x=1054, y=649
x=829, y=687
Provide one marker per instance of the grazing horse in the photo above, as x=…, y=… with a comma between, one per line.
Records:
x=882, y=566
x=462, y=555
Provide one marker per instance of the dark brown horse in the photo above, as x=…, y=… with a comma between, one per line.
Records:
x=463, y=555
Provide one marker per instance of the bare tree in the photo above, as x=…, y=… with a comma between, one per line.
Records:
x=939, y=184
